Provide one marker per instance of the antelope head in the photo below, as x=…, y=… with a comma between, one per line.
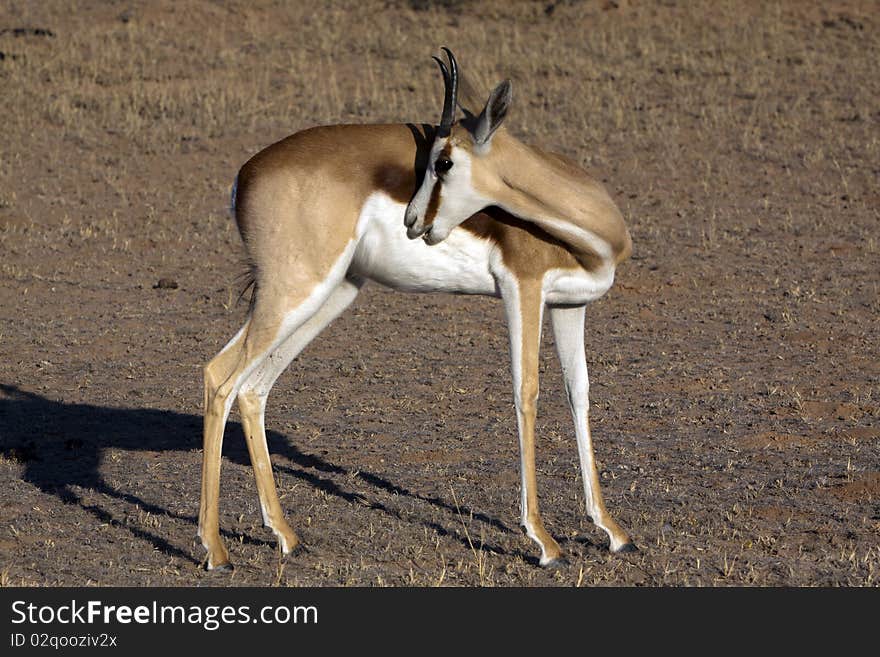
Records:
x=459, y=179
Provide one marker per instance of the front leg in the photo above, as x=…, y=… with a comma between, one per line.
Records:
x=568, y=331
x=524, y=304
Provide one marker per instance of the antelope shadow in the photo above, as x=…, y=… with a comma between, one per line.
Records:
x=61, y=446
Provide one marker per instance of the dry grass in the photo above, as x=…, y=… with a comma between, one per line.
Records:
x=741, y=141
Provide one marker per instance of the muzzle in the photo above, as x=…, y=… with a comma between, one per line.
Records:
x=414, y=228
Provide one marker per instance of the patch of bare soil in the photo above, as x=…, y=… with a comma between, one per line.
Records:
x=734, y=364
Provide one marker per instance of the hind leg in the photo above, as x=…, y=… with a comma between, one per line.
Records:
x=218, y=373
x=274, y=319
x=252, y=404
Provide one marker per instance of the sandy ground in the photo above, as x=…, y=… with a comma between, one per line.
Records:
x=734, y=364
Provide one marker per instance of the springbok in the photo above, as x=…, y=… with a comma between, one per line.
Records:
x=330, y=207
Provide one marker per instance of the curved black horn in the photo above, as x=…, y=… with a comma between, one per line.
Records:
x=450, y=79
x=443, y=70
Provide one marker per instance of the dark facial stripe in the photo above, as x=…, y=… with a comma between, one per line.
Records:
x=433, y=203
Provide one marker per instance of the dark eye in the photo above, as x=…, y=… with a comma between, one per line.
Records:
x=442, y=165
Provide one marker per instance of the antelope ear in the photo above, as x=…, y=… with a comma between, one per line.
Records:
x=493, y=113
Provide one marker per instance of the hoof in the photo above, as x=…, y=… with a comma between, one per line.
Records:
x=226, y=567
x=296, y=550
x=627, y=547
x=555, y=564
x=288, y=541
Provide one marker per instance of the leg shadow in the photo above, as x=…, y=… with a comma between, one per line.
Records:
x=62, y=445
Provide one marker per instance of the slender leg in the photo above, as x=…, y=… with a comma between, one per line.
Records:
x=273, y=320
x=217, y=407
x=524, y=305
x=252, y=403
x=568, y=330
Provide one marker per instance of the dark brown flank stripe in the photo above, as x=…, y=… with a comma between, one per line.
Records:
x=401, y=182
x=396, y=181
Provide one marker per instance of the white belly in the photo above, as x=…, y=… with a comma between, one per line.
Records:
x=461, y=263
